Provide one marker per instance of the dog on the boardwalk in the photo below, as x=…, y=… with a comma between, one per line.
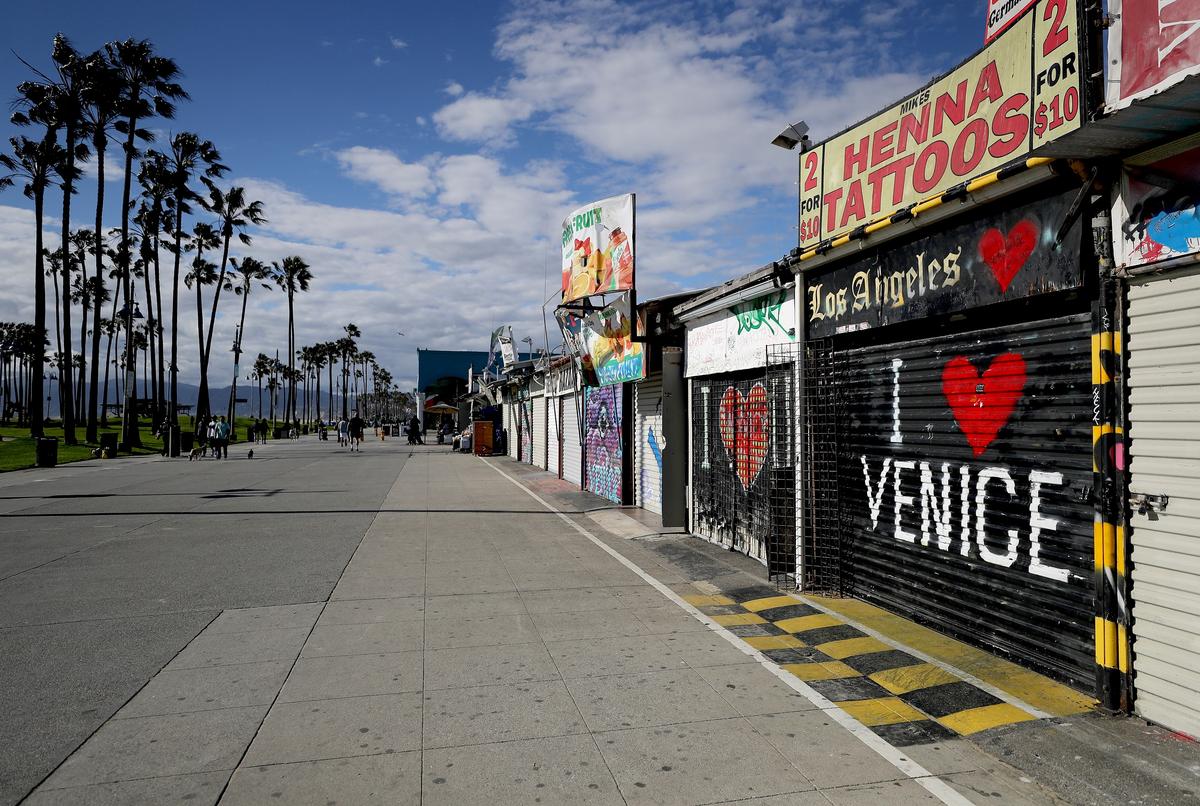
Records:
x=197, y=453
x=250, y=455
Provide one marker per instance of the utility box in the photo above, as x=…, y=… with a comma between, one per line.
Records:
x=482, y=437
x=47, y=451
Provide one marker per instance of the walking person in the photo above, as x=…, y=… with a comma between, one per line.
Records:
x=343, y=432
x=223, y=438
x=357, y=427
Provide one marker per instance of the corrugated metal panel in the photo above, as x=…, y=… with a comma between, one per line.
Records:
x=964, y=477
x=539, y=432
x=730, y=446
x=572, y=442
x=1164, y=395
x=554, y=435
x=604, y=441
x=649, y=443
x=511, y=433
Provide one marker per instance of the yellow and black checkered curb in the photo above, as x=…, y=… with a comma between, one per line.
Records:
x=899, y=696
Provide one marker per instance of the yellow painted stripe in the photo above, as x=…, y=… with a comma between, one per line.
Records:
x=1098, y=542
x=1110, y=644
x=1099, y=641
x=830, y=670
x=756, y=605
x=763, y=642
x=802, y=623
x=1100, y=342
x=702, y=600
x=738, y=619
x=1122, y=649
x=913, y=678
x=974, y=720
x=1121, y=550
x=1039, y=691
x=849, y=647
x=882, y=711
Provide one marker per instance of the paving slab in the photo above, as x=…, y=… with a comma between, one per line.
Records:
x=564, y=769
x=462, y=716
x=384, y=779
x=340, y=728
x=353, y=676
x=475, y=605
x=697, y=762
x=281, y=617
x=208, y=688
x=641, y=700
x=224, y=649
x=449, y=633
x=751, y=690
x=825, y=752
x=155, y=746
x=625, y=655
x=488, y=665
x=366, y=611
x=364, y=639
x=197, y=789
x=588, y=624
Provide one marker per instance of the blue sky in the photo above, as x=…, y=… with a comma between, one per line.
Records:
x=420, y=155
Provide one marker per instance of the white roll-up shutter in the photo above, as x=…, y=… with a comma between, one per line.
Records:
x=510, y=428
x=554, y=435
x=649, y=443
x=539, y=432
x=1164, y=432
x=572, y=449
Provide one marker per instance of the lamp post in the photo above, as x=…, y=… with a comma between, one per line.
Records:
x=237, y=355
x=129, y=431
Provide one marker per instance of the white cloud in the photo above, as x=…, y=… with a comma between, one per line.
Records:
x=454, y=89
x=397, y=42
x=480, y=118
x=379, y=61
x=386, y=170
x=421, y=121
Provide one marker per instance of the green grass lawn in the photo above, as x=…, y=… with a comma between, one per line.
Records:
x=17, y=447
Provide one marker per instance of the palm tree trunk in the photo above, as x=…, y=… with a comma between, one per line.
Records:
x=93, y=430
x=237, y=354
x=162, y=364
x=37, y=365
x=86, y=300
x=66, y=386
x=58, y=351
x=132, y=436
x=108, y=359
x=151, y=326
x=202, y=397
x=290, y=410
x=173, y=412
x=212, y=316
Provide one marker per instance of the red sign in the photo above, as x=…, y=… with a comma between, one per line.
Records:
x=1155, y=44
x=1001, y=14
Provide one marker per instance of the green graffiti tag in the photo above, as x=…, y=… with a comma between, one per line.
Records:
x=763, y=312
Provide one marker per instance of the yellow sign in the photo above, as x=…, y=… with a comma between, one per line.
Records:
x=1020, y=92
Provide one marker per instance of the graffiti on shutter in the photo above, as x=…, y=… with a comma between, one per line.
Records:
x=603, y=450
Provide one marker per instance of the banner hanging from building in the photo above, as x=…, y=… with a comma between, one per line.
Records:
x=608, y=337
x=1020, y=92
x=571, y=326
x=508, y=349
x=1005, y=254
x=598, y=248
x=1157, y=213
x=1152, y=45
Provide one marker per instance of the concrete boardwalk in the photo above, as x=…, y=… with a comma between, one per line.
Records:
x=482, y=646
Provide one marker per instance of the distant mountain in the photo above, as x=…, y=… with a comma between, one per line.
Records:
x=218, y=398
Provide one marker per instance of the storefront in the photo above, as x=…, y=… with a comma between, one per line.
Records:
x=741, y=471
x=605, y=443
x=540, y=431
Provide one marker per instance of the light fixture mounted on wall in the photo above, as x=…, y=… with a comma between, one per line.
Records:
x=792, y=136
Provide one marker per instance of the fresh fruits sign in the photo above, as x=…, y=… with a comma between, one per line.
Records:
x=608, y=337
x=1017, y=94
x=597, y=248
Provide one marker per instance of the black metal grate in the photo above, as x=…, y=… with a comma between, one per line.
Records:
x=821, y=529
x=783, y=385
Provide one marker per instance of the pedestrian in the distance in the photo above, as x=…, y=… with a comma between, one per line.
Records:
x=223, y=438
x=357, y=427
x=343, y=432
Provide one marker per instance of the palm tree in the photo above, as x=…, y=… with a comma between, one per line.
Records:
x=146, y=236
x=81, y=241
x=204, y=272
x=234, y=214
x=250, y=271
x=292, y=275
x=347, y=348
x=148, y=88
x=155, y=180
x=332, y=351
x=262, y=368
x=101, y=108
x=33, y=161
x=190, y=156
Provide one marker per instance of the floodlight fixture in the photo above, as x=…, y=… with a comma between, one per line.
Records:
x=792, y=136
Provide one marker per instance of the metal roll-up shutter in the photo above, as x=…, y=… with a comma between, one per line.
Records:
x=525, y=413
x=1164, y=432
x=554, y=435
x=731, y=440
x=539, y=432
x=511, y=432
x=964, y=487
x=648, y=443
x=603, y=450
x=572, y=449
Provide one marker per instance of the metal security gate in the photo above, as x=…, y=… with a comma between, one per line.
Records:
x=525, y=412
x=783, y=376
x=731, y=442
x=572, y=449
x=604, y=452
x=963, y=486
x=539, y=432
x=648, y=442
x=554, y=435
x=1164, y=417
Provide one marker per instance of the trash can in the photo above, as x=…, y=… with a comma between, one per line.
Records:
x=186, y=440
x=108, y=445
x=277, y=432
x=47, y=451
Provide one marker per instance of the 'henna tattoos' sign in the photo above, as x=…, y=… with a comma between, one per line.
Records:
x=1005, y=254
